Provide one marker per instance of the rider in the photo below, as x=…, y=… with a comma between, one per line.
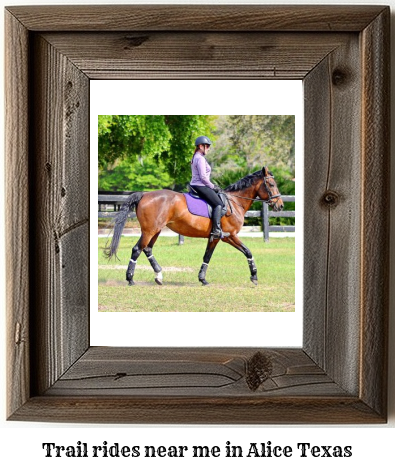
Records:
x=202, y=185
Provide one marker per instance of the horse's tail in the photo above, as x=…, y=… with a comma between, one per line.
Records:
x=120, y=221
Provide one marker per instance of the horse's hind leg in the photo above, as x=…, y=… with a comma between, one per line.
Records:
x=212, y=243
x=136, y=251
x=155, y=265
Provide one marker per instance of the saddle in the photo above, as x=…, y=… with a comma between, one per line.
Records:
x=198, y=206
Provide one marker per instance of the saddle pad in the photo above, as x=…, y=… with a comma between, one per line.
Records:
x=197, y=206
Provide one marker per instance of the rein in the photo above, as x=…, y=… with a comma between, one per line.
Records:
x=268, y=201
x=255, y=199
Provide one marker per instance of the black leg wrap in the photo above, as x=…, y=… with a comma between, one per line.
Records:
x=130, y=272
x=132, y=264
x=202, y=274
x=154, y=264
x=253, y=270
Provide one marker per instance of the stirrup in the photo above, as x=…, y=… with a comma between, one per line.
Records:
x=214, y=235
x=220, y=234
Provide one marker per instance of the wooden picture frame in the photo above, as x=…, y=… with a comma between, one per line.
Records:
x=340, y=374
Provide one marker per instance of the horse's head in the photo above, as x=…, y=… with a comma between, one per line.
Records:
x=269, y=192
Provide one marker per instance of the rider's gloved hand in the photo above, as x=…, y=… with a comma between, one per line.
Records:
x=216, y=188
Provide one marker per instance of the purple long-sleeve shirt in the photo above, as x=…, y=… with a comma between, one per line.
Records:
x=201, y=171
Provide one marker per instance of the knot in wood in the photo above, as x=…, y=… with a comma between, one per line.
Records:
x=330, y=199
x=340, y=77
x=259, y=369
x=133, y=42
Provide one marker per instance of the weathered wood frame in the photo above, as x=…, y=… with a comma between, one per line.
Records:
x=340, y=374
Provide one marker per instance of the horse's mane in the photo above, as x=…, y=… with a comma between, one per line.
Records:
x=244, y=182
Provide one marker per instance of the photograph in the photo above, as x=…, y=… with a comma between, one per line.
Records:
x=207, y=179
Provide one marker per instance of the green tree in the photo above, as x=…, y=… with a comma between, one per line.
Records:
x=255, y=140
x=146, y=175
x=165, y=139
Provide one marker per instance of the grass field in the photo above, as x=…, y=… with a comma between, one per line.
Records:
x=230, y=288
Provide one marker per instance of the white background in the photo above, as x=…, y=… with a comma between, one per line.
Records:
x=174, y=96
x=20, y=443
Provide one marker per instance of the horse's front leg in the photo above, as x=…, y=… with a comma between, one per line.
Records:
x=212, y=243
x=237, y=243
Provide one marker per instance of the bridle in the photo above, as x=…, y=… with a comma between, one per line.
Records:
x=269, y=200
x=270, y=194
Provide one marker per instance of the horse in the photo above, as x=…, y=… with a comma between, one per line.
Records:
x=165, y=208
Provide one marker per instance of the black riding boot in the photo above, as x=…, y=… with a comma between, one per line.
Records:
x=216, y=231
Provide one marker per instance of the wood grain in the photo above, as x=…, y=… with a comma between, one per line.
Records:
x=339, y=376
x=198, y=410
x=376, y=195
x=60, y=195
x=332, y=196
x=213, y=372
x=196, y=55
x=17, y=213
x=193, y=17
x=123, y=385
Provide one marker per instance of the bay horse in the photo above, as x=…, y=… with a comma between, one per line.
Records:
x=165, y=208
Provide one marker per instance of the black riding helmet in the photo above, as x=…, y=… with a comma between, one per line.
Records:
x=203, y=140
